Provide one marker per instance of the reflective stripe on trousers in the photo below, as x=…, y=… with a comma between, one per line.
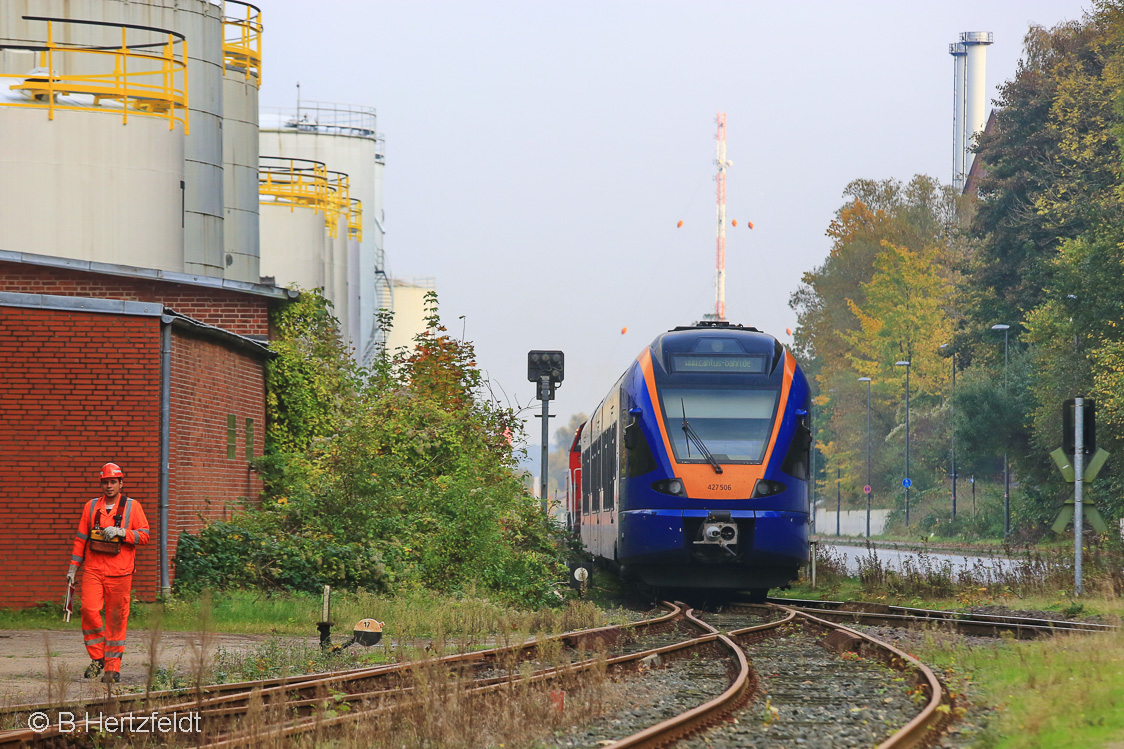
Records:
x=105, y=638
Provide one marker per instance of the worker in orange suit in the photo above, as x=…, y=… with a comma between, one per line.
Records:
x=111, y=528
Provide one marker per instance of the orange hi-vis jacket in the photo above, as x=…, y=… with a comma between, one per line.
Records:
x=94, y=515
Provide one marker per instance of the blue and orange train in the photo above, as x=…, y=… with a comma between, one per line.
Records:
x=693, y=471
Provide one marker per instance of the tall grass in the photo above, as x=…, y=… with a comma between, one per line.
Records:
x=1064, y=692
x=1035, y=572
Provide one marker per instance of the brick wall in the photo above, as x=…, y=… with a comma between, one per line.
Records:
x=77, y=389
x=236, y=311
x=210, y=382
x=80, y=389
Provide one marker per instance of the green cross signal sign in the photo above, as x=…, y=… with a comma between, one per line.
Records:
x=1068, y=511
x=1065, y=464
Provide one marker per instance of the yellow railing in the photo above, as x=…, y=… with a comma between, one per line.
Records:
x=308, y=183
x=340, y=202
x=146, y=79
x=294, y=182
x=355, y=220
x=241, y=42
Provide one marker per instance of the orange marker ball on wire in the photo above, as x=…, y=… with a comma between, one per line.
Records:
x=679, y=225
x=624, y=330
x=735, y=222
x=750, y=224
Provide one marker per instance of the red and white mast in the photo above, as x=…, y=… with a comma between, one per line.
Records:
x=720, y=259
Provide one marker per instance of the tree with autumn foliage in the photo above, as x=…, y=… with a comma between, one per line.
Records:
x=1041, y=250
x=886, y=292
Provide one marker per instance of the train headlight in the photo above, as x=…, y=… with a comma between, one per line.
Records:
x=674, y=487
x=767, y=488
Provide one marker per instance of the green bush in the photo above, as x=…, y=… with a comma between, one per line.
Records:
x=404, y=478
x=232, y=555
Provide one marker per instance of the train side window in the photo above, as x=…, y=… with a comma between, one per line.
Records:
x=798, y=457
x=585, y=481
x=610, y=466
x=595, y=475
x=640, y=458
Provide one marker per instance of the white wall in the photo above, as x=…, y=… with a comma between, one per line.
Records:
x=852, y=522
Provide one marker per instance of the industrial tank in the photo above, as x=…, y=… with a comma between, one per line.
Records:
x=91, y=164
x=106, y=191
x=298, y=218
x=345, y=138
x=242, y=56
x=409, y=311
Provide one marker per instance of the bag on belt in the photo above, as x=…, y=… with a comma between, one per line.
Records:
x=98, y=542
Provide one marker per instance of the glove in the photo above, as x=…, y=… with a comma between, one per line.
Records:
x=112, y=532
x=71, y=573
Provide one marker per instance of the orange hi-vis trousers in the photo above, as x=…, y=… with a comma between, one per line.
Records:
x=105, y=639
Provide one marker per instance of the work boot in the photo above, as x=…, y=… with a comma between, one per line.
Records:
x=111, y=677
x=94, y=668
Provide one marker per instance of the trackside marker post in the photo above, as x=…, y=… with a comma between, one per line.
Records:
x=1078, y=482
x=1079, y=414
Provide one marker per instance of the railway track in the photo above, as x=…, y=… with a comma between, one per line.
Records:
x=709, y=724
x=983, y=625
x=220, y=705
x=722, y=647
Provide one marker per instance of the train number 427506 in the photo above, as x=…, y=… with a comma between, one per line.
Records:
x=720, y=487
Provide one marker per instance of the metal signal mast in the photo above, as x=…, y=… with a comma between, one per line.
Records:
x=720, y=259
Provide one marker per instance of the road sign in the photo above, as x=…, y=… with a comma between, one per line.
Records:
x=866, y=489
x=907, y=483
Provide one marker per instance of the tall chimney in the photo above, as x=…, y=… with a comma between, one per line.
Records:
x=975, y=88
x=959, y=153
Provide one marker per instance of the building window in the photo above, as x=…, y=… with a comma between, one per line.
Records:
x=231, y=436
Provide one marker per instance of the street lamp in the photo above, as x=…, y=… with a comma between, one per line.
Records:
x=1006, y=471
x=868, y=488
x=907, y=481
x=953, y=430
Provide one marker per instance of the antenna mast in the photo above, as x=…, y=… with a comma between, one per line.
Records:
x=720, y=259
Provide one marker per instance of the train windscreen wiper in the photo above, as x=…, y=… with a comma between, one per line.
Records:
x=692, y=436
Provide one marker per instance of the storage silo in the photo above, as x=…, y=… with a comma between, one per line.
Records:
x=294, y=210
x=92, y=163
x=199, y=189
x=344, y=137
x=242, y=35
x=409, y=311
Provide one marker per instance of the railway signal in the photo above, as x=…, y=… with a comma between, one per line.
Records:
x=547, y=369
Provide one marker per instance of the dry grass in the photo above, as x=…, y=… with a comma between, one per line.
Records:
x=435, y=707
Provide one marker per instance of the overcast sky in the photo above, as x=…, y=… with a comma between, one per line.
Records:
x=540, y=154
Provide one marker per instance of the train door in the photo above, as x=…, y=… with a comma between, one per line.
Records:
x=612, y=469
x=586, y=484
x=574, y=483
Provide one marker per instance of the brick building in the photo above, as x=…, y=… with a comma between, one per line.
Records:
x=140, y=367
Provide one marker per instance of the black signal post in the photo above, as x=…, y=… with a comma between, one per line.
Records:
x=547, y=369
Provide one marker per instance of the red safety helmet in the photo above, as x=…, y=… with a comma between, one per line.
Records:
x=111, y=471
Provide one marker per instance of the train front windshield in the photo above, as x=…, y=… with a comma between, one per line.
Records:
x=734, y=425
